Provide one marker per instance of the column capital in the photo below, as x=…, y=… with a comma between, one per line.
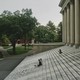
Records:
x=62, y=12
x=68, y=5
x=65, y=9
x=71, y=1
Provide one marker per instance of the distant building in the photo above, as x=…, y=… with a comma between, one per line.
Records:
x=71, y=21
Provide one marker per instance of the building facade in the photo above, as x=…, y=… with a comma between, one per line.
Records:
x=71, y=21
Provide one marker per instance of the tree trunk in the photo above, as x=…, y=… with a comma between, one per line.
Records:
x=25, y=43
x=14, y=47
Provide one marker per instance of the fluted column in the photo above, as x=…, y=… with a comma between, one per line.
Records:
x=77, y=25
x=72, y=23
x=65, y=24
x=68, y=24
x=63, y=27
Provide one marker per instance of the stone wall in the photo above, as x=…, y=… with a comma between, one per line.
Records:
x=41, y=48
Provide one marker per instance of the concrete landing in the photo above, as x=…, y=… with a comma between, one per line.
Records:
x=65, y=66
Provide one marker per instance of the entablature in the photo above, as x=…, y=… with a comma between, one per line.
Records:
x=64, y=5
x=61, y=3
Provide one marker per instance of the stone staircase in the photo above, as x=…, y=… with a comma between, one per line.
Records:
x=65, y=66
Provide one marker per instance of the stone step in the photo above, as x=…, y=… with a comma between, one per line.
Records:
x=65, y=66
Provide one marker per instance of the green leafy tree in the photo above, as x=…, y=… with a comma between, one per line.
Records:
x=5, y=40
x=51, y=26
x=27, y=23
x=17, y=25
x=10, y=26
x=59, y=32
x=43, y=34
x=40, y=33
x=52, y=29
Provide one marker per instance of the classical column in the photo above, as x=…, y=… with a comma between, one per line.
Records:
x=72, y=23
x=63, y=27
x=77, y=25
x=65, y=24
x=68, y=24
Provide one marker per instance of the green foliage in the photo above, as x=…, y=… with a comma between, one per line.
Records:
x=48, y=33
x=59, y=32
x=51, y=26
x=17, y=25
x=5, y=40
x=22, y=25
x=27, y=23
x=43, y=34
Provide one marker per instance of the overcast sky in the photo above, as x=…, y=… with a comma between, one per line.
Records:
x=43, y=10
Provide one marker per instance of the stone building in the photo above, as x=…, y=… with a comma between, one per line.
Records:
x=71, y=21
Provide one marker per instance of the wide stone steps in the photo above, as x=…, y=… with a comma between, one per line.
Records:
x=65, y=66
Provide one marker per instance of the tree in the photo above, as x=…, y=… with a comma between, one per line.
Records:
x=27, y=23
x=10, y=27
x=51, y=25
x=59, y=32
x=40, y=33
x=43, y=34
x=17, y=25
x=5, y=40
x=52, y=29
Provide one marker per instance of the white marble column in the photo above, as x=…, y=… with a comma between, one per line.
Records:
x=72, y=23
x=77, y=23
x=68, y=24
x=65, y=24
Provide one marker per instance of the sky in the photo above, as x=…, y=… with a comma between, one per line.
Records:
x=43, y=10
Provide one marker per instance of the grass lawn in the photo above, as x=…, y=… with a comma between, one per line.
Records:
x=20, y=50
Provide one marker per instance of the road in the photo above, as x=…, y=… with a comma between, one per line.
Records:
x=8, y=64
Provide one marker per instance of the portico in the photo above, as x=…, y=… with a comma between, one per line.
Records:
x=71, y=21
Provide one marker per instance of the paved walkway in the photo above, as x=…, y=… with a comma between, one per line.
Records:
x=8, y=64
x=65, y=66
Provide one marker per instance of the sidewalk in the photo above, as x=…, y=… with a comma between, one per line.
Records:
x=8, y=64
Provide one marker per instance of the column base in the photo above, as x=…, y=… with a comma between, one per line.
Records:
x=77, y=46
x=67, y=44
x=72, y=44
